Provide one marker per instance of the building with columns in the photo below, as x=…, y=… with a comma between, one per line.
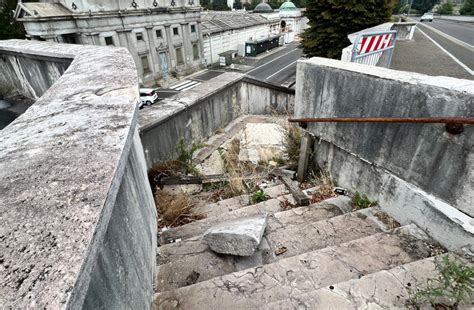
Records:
x=163, y=36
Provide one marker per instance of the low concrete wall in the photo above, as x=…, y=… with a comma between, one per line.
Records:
x=78, y=219
x=418, y=172
x=31, y=75
x=197, y=114
x=405, y=31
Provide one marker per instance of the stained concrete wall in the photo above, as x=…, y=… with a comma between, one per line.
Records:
x=197, y=114
x=418, y=172
x=77, y=213
x=30, y=75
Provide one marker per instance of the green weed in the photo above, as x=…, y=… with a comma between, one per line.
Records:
x=362, y=201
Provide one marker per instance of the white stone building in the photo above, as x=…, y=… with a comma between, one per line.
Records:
x=229, y=30
x=163, y=36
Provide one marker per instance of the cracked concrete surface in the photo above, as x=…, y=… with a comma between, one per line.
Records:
x=193, y=256
x=291, y=277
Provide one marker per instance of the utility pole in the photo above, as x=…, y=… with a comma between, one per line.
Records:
x=409, y=9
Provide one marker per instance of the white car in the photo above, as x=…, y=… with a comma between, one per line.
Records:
x=427, y=16
x=148, y=96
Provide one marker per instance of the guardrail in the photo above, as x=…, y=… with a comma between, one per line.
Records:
x=374, y=48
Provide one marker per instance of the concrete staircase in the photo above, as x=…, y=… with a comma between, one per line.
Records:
x=320, y=256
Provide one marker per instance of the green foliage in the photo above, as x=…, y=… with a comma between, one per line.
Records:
x=362, y=201
x=259, y=196
x=454, y=283
x=467, y=8
x=238, y=5
x=253, y=4
x=206, y=4
x=185, y=156
x=332, y=20
x=423, y=6
x=220, y=5
x=9, y=28
x=445, y=8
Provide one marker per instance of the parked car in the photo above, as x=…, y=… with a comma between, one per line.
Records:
x=148, y=96
x=427, y=16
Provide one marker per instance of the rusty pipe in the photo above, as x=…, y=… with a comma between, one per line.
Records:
x=442, y=120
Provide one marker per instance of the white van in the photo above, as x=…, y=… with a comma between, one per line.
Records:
x=148, y=96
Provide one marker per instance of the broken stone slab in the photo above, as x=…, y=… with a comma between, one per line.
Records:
x=261, y=142
x=237, y=237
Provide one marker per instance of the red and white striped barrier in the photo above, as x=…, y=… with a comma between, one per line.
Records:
x=374, y=49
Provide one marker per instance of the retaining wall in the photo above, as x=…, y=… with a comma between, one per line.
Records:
x=418, y=172
x=78, y=218
x=197, y=114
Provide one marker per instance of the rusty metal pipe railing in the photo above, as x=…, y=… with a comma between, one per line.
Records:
x=454, y=125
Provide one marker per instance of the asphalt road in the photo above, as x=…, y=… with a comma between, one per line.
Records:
x=279, y=67
x=459, y=47
x=460, y=31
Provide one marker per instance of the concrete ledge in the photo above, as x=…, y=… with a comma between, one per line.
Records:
x=65, y=175
x=196, y=114
x=420, y=172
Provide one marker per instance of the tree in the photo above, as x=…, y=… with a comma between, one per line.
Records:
x=424, y=5
x=332, y=20
x=467, y=8
x=254, y=3
x=206, y=4
x=446, y=8
x=238, y=5
x=220, y=5
x=9, y=28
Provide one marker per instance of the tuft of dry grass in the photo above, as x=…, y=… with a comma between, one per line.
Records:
x=325, y=186
x=174, y=209
x=387, y=219
x=292, y=144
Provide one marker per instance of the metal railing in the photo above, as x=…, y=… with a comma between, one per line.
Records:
x=374, y=48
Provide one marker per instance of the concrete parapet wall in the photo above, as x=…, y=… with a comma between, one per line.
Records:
x=78, y=219
x=198, y=113
x=413, y=170
x=31, y=75
x=462, y=19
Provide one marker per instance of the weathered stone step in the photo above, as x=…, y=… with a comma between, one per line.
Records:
x=324, y=221
x=191, y=259
x=199, y=227
x=386, y=289
x=255, y=287
x=234, y=203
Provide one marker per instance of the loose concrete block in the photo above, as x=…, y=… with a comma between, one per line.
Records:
x=237, y=237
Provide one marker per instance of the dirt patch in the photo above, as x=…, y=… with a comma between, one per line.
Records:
x=389, y=221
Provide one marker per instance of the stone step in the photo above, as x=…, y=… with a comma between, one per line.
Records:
x=386, y=289
x=199, y=227
x=234, y=203
x=255, y=287
x=181, y=260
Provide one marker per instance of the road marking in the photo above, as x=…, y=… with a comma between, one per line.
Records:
x=471, y=72
x=281, y=70
x=295, y=50
x=449, y=37
x=185, y=85
x=190, y=86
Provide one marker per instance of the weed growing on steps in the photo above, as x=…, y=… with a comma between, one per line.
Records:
x=291, y=144
x=452, y=285
x=185, y=156
x=324, y=185
x=362, y=201
x=258, y=196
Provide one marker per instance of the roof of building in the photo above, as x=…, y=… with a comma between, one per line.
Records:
x=42, y=9
x=219, y=21
x=263, y=8
x=288, y=6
